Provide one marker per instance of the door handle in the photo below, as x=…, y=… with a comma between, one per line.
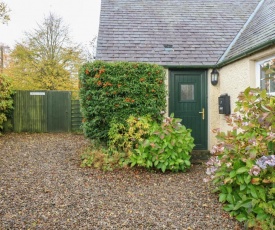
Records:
x=202, y=112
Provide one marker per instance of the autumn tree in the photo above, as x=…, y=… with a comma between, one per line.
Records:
x=4, y=13
x=46, y=59
x=90, y=50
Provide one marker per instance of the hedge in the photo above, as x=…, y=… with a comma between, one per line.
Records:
x=111, y=92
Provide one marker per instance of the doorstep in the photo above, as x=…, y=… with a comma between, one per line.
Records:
x=199, y=156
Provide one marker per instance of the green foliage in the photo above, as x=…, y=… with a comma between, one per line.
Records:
x=167, y=147
x=87, y=159
x=145, y=143
x=99, y=158
x=111, y=92
x=124, y=138
x=5, y=99
x=242, y=166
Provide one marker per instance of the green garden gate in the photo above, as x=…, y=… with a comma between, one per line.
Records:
x=43, y=111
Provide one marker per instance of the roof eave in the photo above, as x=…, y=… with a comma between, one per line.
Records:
x=246, y=53
x=223, y=57
x=188, y=66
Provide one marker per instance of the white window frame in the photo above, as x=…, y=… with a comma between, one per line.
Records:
x=258, y=72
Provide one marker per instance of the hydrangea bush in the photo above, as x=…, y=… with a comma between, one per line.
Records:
x=242, y=163
x=168, y=147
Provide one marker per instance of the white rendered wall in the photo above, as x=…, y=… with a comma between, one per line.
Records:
x=234, y=78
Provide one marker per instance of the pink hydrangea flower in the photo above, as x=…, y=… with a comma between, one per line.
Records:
x=255, y=170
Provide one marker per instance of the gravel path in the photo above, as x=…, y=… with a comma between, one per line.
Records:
x=43, y=187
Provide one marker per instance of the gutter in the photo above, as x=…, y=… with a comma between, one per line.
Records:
x=246, y=53
x=189, y=66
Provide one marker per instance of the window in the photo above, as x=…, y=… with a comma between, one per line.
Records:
x=187, y=92
x=266, y=75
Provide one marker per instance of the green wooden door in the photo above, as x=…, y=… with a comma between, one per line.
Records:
x=59, y=111
x=188, y=101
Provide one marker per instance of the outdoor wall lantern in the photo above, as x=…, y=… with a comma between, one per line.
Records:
x=214, y=77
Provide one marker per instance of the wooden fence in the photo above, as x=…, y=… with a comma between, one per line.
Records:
x=46, y=111
x=76, y=116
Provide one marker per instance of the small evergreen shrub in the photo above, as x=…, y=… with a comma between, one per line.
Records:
x=6, y=101
x=243, y=162
x=125, y=137
x=168, y=147
x=113, y=91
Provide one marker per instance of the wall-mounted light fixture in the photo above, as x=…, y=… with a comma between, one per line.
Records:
x=214, y=77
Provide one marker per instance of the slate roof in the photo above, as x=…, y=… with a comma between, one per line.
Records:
x=200, y=31
x=259, y=31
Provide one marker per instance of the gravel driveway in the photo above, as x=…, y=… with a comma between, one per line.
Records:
x=43, y=187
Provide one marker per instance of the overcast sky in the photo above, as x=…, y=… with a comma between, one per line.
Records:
x=82, y=17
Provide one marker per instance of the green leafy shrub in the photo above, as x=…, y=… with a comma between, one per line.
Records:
x=114, y=91
x=167, y=147
x=143, y=142
x=125, y=137
x=242, y=165
x=6, y=100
